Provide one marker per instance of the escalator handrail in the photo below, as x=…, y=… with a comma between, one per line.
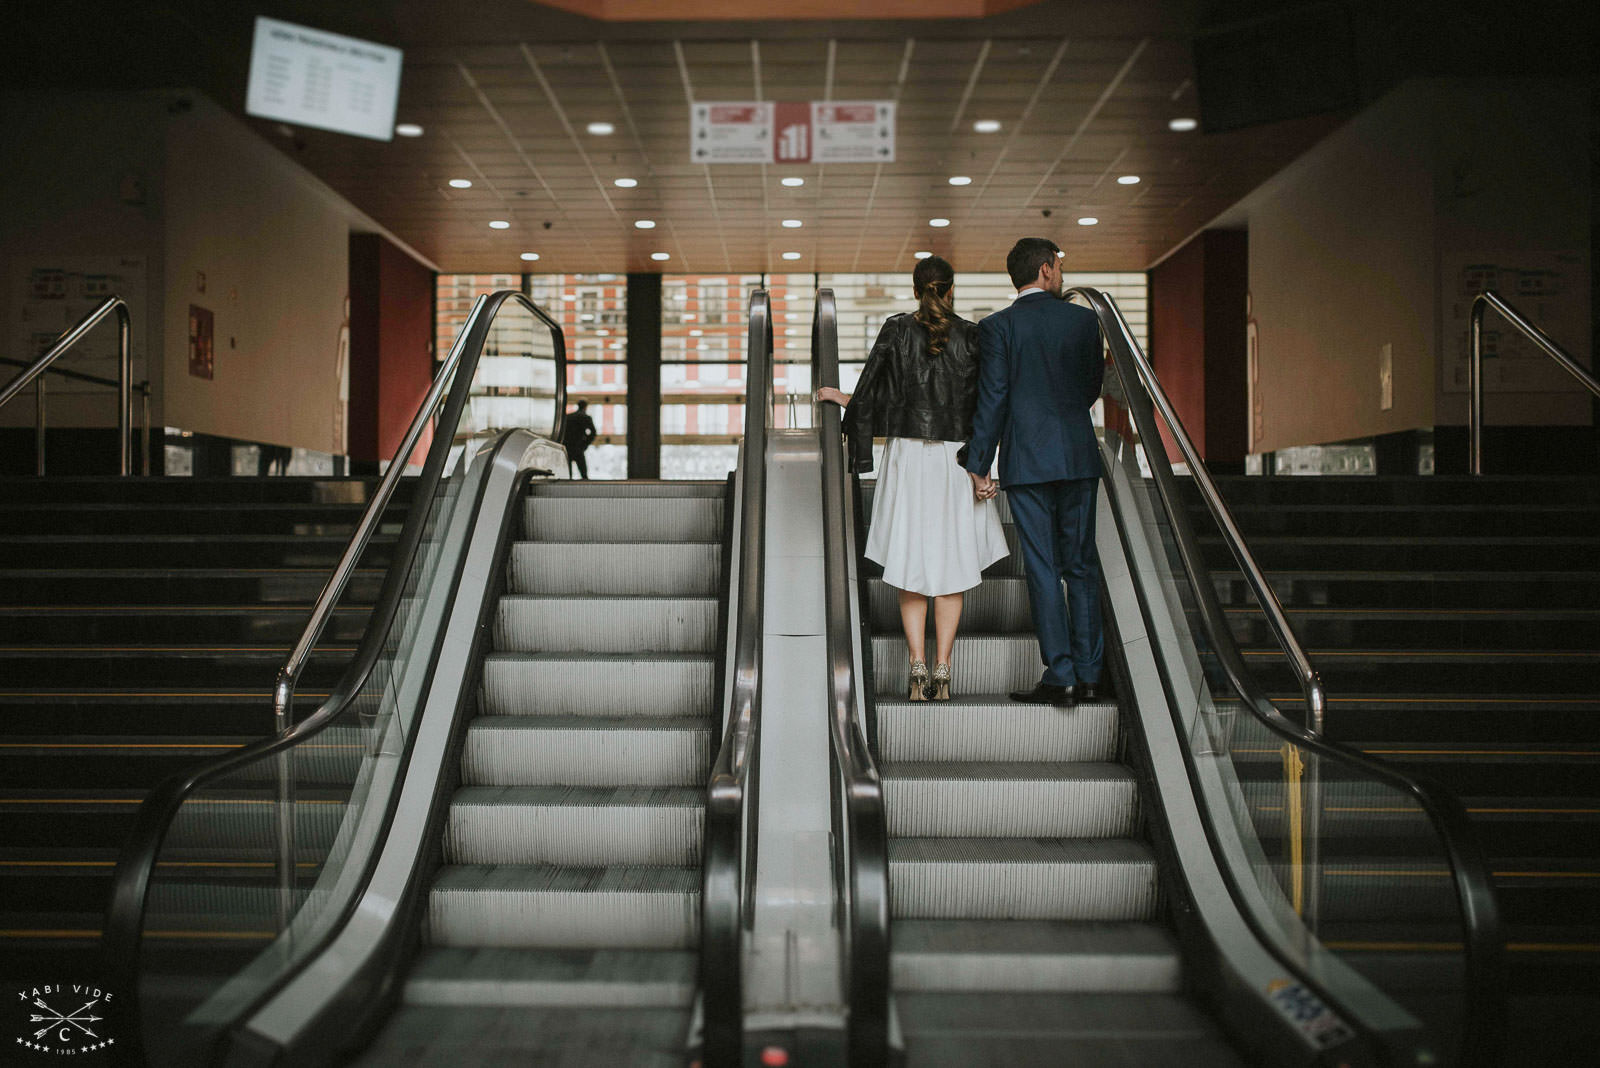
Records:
x=1481, y=303
x=867, y=859
x=729, y=852
x=1483, y=938
x=121, y=940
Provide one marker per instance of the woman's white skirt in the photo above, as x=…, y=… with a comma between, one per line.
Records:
x=929, y=533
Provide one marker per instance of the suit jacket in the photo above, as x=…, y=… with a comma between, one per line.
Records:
x=1040, y=374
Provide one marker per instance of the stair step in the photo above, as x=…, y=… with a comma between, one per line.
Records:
x=581, y=826
x=1425, y=589
x=139, y=664
x=1505, y=519
x=1572, y=629
x=1439, y=553
x=293, y=518
x=510, y=978
x=585, y=569
x=567, y=684
x=531, y=624
x=121, y=624
x=1033, y=955
x=1478, y=490
x=189, y=550
x=971, y=728
x=1037, y=878
x=623, y=519
x=181, y=585
x=157, y=491
x=586, y=751
x=994, y=800
x=538, y=906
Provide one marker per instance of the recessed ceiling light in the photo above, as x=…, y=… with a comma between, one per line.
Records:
x=1182, y=125
x=791, y=255
x=793, y=182
x=986, y=125
x=960, y=179
x=1128, y=179
x=408, y=129
x=645, y=224
x=601, y=129
x=923, y=255
x=499, y=224
x=658, y=256
x=625, y=183
x=792, y=224
x=460, y=183
x=1088, y=220
x=938, y=222
x=530, y=256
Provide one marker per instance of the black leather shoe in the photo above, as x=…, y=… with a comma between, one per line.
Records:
x=1046, y=694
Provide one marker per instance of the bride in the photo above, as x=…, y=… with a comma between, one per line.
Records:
x=932, y=532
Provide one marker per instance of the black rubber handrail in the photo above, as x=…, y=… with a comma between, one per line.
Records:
x=729, y=865
x=865, y=838
x=122, y=938
x=1484, y=943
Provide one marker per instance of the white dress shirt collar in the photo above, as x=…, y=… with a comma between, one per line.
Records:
x=1024, y=292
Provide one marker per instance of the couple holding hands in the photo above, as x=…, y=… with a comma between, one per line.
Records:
x=946, y=392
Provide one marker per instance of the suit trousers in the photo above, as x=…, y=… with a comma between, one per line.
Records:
x=1055, y=529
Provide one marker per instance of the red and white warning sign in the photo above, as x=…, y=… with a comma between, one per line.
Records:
x=792, y=131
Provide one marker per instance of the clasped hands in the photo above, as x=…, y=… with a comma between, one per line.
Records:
x=983, y=487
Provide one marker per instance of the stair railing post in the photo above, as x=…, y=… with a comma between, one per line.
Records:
x=282, y=705
x=144, y=429
x=124, y=393
x=1475, y=385
x=38, y=426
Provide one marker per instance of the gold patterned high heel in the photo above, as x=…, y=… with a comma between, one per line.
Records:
x=941, y=682
x=919, y=681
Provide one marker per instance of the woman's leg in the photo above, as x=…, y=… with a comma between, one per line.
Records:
x=914, y=620
x=946, y=618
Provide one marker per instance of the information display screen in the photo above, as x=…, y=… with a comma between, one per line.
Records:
x=313, y=78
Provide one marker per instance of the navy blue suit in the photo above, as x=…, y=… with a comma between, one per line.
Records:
x=1041, y=367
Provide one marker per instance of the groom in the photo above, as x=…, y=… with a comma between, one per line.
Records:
x=1041, y=369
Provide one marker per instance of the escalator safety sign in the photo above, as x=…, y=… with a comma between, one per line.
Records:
x=1307, y=1014
x=792, y=131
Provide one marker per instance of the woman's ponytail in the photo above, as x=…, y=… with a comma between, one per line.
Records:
x=932, y=281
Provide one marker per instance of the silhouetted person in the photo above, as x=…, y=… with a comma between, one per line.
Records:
x=273, y=460
x=575, y=438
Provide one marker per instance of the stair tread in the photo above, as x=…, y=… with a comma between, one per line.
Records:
x=1016, y=770
x=481, y=967
x=563, y=879
x=597, y=723
x=1019, y=851
x=1032, y=937
x=581, y=796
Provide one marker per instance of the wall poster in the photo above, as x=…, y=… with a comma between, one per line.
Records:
x=50, y=294
x=202, y=350
x=1549, y=288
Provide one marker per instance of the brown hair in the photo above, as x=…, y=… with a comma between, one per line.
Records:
x=931, y=282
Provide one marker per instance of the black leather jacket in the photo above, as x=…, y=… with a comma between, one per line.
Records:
x=905, y=393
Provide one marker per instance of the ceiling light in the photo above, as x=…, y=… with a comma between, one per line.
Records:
x=601, y=129
x=530, y=256
x=986, y=125
x=625, y=183
x=1182, y=125
x=658, y=256
x=923, y=255
x=460, y=183
x=960, y=179
x=408, y=129
x=1088, y=220
x=793, y=182
x=499, y=224
x=938, y=222
x=1128, y=179
x=645, y=224
x=792, y=224
x=791, y=255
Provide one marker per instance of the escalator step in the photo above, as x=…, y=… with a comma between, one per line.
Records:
x=609, y=978
x=980, y=664
x=586, y=751
x=575, y=684
x=455, y=1035
x=997, y=605
x=623, y=519
x=605, y=625
x=980, y=729
x=689, y=569
x=549, y=907
x=1015, y=800
x=583, y=826
x=1021, y=878
x=1034, y=955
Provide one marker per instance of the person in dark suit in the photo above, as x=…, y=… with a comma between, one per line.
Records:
x=576, y=433
x=1041, y=369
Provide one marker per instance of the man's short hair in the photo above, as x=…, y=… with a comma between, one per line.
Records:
x=1027, y=256
x=582, y=405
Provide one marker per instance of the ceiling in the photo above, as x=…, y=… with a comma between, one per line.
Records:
x=1083, y=90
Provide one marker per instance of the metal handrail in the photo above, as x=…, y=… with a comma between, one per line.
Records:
x=1484, y=944
x=1480, y=304
x=142, y=387
x=124, y=373
x=728, y=870
x=866, y=865
x=131, y=882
